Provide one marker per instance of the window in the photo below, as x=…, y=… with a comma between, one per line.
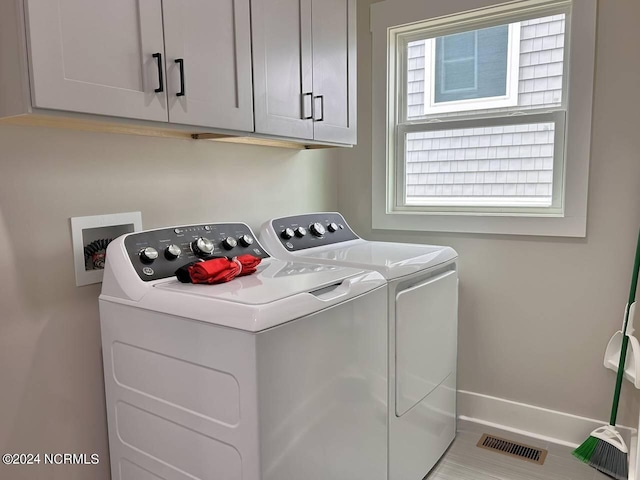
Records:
x=482, y=76
x=477, y=118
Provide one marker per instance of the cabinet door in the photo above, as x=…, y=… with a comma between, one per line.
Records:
x=334, y=70
x=208, y=45
x=282, y=67
x=94, y=56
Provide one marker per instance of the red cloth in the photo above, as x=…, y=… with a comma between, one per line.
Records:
x=221, y=270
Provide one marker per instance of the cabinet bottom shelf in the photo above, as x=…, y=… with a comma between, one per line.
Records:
x=122, y=127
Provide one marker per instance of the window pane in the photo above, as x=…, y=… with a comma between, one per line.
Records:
x=471, y=65
x=488, y=166
x=457, y=80
x=459, y=46
x=439, y=71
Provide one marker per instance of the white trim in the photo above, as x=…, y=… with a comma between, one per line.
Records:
x=510, y=98
x=536, y=422
x=391, y=13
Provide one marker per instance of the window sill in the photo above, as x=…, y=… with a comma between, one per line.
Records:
x=551, y=226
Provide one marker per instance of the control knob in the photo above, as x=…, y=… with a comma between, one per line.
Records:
x=202, y=247
x=287, y=233
x=300, y=232
x=332, y=227
x=148, y=255
x=229, y=243
x=246, y=240
x=317, y=229
x=172, y=252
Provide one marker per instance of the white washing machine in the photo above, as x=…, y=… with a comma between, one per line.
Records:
x=422, y=321
x=279, y=375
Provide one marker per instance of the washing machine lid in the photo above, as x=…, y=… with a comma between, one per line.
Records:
x=392, y=260
x=140, y=273
x=277, y=293
x=275, y=280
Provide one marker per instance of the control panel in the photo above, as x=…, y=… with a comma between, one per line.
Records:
x=157, y=254
x=312, y=230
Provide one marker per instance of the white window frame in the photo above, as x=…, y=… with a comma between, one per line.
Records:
x=569, y=219
x=510, y=99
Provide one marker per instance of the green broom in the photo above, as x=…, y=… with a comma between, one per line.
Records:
x=605, y=449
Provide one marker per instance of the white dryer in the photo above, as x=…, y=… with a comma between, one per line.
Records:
x=280, y=375
x=422, y=321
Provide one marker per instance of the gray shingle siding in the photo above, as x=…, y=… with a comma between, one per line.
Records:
x=511, y=161
x=505, y=161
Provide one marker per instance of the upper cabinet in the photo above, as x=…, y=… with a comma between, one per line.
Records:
x=334, y=70
x=85, y=57
x=213, y=68
x=304, y=54
x=208, y=52
x=166, y=60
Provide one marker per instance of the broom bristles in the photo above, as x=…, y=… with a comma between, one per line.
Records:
x=585, y=451
x=610, y=460
x=604, y=457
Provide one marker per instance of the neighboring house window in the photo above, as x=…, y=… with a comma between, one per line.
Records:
x=477, y=108
x=470, y=70
x=456, y=66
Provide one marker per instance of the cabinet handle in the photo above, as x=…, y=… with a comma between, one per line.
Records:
x=304, y=96
x=160, y=88
x=180, y=62
x=321, y=97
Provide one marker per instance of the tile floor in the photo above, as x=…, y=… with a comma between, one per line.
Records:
x=465, y=461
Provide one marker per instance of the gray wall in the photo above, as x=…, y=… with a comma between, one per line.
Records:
x=51, y=390
x=536, y=312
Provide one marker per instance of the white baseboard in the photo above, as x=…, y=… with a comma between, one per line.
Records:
x=541, y=423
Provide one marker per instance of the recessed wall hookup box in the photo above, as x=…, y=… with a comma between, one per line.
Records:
x=91, y=235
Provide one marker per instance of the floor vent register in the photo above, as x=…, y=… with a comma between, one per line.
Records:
x=513, y=449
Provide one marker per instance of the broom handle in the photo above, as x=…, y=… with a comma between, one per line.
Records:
x=625, y=338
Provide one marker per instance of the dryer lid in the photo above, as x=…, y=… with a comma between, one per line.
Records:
x=392, y=260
